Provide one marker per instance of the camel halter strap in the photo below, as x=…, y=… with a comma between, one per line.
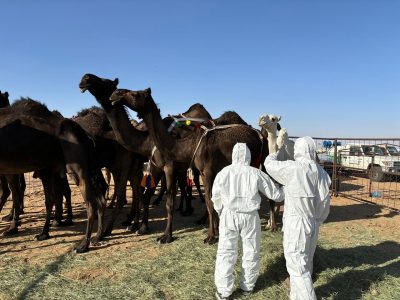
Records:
x=186, y=119
x=151, y=161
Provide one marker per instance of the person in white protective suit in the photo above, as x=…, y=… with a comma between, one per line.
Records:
x=306, y=187
x=235, y=196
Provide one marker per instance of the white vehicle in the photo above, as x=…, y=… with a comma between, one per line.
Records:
x=368, y=157
x=389, y=149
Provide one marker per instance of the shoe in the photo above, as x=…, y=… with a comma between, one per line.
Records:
x=218, y=296
x=246, y=293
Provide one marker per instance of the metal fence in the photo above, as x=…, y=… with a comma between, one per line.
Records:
x=366, y=169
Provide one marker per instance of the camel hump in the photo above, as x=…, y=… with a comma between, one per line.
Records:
x=31, y=107
x=230, y=117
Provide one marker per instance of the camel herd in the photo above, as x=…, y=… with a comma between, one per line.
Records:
x=105, y=137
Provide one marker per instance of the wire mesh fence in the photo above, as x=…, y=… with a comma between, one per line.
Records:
x=366, y=169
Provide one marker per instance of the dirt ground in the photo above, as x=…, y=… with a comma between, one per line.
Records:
x=345, y=215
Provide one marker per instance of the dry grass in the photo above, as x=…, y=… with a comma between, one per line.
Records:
x=357, y=258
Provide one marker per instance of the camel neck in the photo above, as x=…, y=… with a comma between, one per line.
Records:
x=180, y=150
x=126, y=134
x=272, y=145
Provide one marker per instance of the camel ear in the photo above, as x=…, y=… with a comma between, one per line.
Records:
x=6, y=94
x=280, y=117
x=278, y=126
x=116, y=81
x=148, y=91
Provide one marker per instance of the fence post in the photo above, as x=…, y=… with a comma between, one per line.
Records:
x=370, y=174
x=334, y=173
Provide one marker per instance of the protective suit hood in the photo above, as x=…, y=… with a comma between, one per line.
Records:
x=305, y=149
x=241, y=154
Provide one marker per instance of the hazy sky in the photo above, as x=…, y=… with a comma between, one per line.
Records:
x=329, y=68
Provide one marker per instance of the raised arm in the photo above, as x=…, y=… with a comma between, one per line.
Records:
x=279, y=170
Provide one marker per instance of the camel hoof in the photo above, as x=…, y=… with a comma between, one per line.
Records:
x=133, y=227
x=142, y=230
x=211, y=240
x=96, y=241
x=274, y=228
x=81, y=249
x=21, y=212
x=10, y=232
x=165, y=239
x=188, y=212
x=42, y=237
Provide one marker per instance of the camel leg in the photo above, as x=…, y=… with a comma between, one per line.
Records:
x=108, y=180
x=212, y=235
x=136, y=174
x=51, y=197
x=22, y=188
x=13, y=181
x=272, y=220
x=144, y=227
x=196, y=180
x=169, y=175
x=135, y=210
x=5, y=193
x=58, y=201
x=161, y=192
x=185, y=197
x=120, y=191
x=83, y=246
x=66, y=192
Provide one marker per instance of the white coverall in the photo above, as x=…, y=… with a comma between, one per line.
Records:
x=306, y=186
x=235, y=195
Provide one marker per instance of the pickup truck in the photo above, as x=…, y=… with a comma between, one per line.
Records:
x=371, y=158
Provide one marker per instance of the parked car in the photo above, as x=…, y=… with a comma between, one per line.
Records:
x=389, y=149
x=371, y=158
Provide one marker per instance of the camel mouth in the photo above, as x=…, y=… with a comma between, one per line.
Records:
x=83, y=89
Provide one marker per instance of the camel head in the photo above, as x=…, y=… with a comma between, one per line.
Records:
x=101, y=88
x=4, y=99
x=135, y=100
x=269, y=122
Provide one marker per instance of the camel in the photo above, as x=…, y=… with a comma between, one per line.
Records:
x=122, y=163
x=209, y=151
x=135, y=138
x=270, y=124
x=56, y=145
x=20, y=179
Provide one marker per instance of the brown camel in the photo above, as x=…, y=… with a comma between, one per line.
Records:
x=209, y=152
x=131, y=138
x=122, y=164
x=61, y=187
x=19, y=179
x=54, y=144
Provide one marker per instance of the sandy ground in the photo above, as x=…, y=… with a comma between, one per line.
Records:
x=345, y=214
x=386, y=192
